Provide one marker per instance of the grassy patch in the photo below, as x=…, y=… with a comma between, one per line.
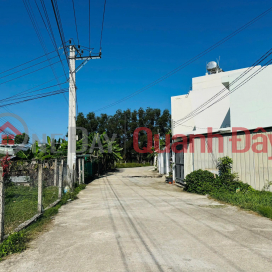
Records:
x=21, y=203
x=17, y=242
x=131, y=164
x=257, y=201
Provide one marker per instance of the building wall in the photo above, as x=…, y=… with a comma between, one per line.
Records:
x=251, y=103
x=203, y=88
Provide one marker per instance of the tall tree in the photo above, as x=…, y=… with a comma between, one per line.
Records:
x=123, y=124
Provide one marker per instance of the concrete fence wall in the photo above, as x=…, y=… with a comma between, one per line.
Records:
x=253, y=168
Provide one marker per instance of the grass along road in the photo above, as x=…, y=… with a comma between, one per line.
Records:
x=21, y=204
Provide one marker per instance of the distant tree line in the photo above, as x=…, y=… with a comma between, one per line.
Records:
x=124, y=123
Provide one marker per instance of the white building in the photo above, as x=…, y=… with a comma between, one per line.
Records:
x=248, y=106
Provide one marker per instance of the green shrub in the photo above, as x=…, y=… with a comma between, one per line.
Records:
x=204, y=182
x=15, y=243
x=227, y=180
x=200, y=182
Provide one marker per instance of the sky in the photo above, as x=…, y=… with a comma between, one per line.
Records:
x=142, y=41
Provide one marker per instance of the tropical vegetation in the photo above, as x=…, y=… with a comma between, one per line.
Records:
x=123, y=124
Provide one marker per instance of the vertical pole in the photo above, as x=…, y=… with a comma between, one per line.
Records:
x=79, y=171
x=2, y=205
x=174, y=165
x=83, y=173
x=40, y=187
x=74, y=174
x=55, y=172
x=60, y=180
x=71, y=153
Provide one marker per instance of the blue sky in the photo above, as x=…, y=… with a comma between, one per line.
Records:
x=142, y=41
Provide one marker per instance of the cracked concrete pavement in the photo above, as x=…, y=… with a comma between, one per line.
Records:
x=123, y=222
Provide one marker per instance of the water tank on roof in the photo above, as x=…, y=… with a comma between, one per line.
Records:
x=213, y=68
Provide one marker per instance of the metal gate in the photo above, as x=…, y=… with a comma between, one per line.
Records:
x=179, y=165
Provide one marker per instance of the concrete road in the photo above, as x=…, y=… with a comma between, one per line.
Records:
x=123, y=222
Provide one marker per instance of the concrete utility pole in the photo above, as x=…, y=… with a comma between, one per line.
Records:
x=75, y=54
x=71, y=156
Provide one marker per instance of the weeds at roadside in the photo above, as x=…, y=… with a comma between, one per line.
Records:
x=18, y=241
x=131, y=164
x=227, y=188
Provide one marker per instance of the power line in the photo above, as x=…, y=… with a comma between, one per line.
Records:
x=51, y=33
x=28, y=67
x=28, y=96
x=26, y=63
x=60, y=29
x=19, y=95
x=37, y=97
x=59, y=24
x=261, y=59
x=29, y=73
x=75, y=19
x=52, y=37
x=189, y=61
x=89, y=23
x=36, y=28
x=26, y=91
x=102, y=25
x=227, y=94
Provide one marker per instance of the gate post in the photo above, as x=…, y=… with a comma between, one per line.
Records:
x=2, y=205
x=174, y=166
x=55, y=172
x=60, y=180
x=79, y=171
x=40, y=188
x=83, y=173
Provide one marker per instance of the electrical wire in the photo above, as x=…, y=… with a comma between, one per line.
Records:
x=266, y=55
x=27, y=91
x=54, y=4
x=89, y=23
x=36, y=97
x=27, y=67
x=28, y=96
x=75, y=20
x=19, y=95
x=36, y=28
x=60, y=28
x=102, y=28
x=261, y=59
x=50, y=31
x=235, y=88
x=189, y=61
x=29, y=73
x=26, y=62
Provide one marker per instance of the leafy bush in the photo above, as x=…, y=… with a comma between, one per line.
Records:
x=227, y=180
x=15, y=243
x=200, y=182
x=204, y=182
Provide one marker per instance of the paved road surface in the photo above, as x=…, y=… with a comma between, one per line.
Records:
x=123, y=222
